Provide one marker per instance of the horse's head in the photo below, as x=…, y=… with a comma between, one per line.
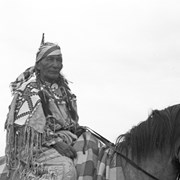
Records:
x=154, y=144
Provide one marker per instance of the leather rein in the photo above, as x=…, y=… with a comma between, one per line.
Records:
x=112, y=146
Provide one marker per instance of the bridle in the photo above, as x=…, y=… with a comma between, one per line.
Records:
x=112, y=146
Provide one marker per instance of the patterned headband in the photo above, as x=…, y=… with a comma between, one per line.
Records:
x=47, y=49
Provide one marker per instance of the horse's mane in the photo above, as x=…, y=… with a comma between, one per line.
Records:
x=160, y=130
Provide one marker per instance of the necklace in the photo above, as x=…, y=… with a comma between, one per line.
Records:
x=54, y=86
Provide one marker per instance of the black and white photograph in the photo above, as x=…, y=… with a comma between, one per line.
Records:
x=90, y=89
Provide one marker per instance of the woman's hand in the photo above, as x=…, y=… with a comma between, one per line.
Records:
x=65, y=149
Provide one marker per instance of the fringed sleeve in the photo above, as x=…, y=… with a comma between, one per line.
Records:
x=10, y=134
x=25, y=127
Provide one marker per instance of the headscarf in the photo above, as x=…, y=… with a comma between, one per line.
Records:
x=45, y=49
x=22, y=78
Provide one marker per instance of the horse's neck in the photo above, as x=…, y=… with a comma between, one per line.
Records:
x=159, y=166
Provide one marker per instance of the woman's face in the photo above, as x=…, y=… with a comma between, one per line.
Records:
x=50, y=67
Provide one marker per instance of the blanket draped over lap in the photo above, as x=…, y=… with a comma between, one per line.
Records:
x=92, y=163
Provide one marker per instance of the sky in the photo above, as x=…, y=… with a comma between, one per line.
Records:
x=122, y=56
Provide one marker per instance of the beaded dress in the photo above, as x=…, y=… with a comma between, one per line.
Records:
x=40, y=115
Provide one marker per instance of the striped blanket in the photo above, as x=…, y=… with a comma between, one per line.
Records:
x=93, y=162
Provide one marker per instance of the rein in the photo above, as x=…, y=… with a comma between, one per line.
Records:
x=112, y=146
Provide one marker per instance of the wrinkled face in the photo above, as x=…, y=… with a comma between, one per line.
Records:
x=50, y=67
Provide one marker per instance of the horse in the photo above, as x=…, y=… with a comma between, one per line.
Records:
x=150, y=150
